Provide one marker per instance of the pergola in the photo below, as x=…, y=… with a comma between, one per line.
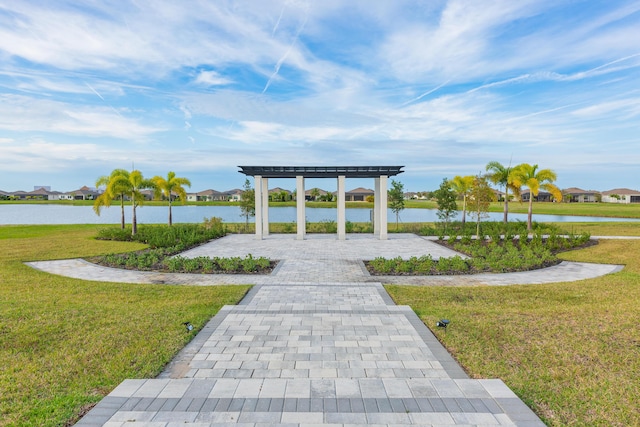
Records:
x=380, y=174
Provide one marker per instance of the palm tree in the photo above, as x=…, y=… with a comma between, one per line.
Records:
x=172, y=184
x=535, y=180
x=135, y=183
x=504, y=176
x=462, y=185
x=112, y=191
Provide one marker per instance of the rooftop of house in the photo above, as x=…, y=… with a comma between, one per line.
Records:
x=620, y=191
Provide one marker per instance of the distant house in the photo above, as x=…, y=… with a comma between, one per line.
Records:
x=279, y=194
x=55, y=195
x=39, y=194
x=578, y=195
x=358, y=194
x=4, y=195
x=234, y=195
x=542, y=196
x=206, y=196
x=621, y=195
x=320, y=192
x=83, y=193
x=148, y=194
x=19, y=195
x=499, y=195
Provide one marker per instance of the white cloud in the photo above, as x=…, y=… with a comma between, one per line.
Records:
x=436, y=85
x=211, y=78
x=27, y=114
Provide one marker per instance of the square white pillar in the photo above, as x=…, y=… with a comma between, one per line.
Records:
x=258, y=205
x=376, y=207
x=382, y=213
x=300, y=216
x=265, y=206
x=342, y=235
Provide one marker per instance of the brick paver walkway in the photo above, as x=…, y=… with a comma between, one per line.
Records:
x=319, y=342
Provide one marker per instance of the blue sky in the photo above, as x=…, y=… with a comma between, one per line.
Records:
x=441, y=87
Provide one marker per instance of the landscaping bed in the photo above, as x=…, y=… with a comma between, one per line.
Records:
x=494, y=254
x=166, y=242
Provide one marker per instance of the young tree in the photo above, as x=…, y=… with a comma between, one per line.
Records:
x=480, y=197
x=314, y=194
x=529, y=176
x=446, y=199
x=114, y=189
x=135, y=184
x=247, y=202
x=462, y=185
x=396, y=198
x=503, y=176
x=172, y=184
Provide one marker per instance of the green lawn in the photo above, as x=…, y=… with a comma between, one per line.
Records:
x=570, y=350
x=65, y=343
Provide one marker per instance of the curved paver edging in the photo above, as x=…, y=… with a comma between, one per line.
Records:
x=323, y=259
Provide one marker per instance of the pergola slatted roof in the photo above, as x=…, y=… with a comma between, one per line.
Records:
x=321, y=171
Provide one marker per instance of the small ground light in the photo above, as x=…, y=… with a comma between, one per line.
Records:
x=189, y=326
x=442, y=323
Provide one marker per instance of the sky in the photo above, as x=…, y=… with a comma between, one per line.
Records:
x=441, y=87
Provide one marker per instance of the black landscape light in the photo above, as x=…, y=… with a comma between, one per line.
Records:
x=443, y=323
x=189, y=326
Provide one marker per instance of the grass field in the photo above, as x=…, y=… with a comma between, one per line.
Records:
x=65, y=343
x=571, y=351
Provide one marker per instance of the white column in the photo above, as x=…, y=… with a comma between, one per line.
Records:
x=265, y=206
x=341, y=209
x=258, y=208
x=376, y=207
x=301, y=219
x=383, y=207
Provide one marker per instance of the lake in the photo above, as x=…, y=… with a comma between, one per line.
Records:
x=11, y=214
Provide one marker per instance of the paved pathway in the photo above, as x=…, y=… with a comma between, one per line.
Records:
x=323, y=259
x=317, y=343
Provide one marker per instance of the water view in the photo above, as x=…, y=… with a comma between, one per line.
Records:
x=61, y=214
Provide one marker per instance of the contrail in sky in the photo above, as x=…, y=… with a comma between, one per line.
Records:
x=425, y=94
x=103, y=100
x=284, y=57
x=275, y=27
x=94, y=91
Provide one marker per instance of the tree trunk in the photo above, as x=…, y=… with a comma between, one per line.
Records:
x=170, y=219
x=464, y=210
x=530, y=213
x=134, y=223
x=506, y=205
x=122, y=225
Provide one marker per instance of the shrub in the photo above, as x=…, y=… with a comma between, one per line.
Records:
x=166, y=241
x=494, y=255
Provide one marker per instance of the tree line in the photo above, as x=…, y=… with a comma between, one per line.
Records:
x=122, y=184
x=476, y=194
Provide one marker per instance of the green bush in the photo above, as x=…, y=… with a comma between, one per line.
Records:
x=167, y=241
x=493, y=255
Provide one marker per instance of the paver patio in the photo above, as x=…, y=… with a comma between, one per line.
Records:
x=319, y=342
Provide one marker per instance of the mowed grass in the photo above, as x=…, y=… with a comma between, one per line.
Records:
x=571, y=351
x=65, y=343
x=601, y=228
